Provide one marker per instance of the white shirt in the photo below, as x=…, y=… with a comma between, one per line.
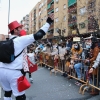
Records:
x=36, y=50
x=31, y=57
x=19, y=44
x=44, y=49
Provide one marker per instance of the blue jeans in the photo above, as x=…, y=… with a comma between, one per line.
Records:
x=78, y=70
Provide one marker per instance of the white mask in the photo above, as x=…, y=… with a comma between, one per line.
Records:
x=75, y=47
x=88, y=46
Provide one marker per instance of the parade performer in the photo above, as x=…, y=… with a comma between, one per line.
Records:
x=10, y=72
x=25, y=54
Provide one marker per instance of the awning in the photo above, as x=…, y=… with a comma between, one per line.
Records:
x=71, y=2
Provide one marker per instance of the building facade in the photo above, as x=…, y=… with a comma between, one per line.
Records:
x=60, y=17
x=34, y=19
x=88, y=15
x=68, y=16
x=25, y=23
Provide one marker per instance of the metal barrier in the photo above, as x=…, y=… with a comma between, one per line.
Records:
x=88, y=80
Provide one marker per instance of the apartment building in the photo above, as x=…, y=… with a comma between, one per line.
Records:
x=34, y=19
x=68, y=15
x=25, y=23
x=38, y=16
x=42, y=13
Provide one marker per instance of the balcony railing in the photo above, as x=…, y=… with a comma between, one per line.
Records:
x=72, y=21
x=72, y=10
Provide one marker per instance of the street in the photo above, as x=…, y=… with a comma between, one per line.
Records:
x=51, y=87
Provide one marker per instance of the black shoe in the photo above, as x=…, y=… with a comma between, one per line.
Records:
x=65, y=75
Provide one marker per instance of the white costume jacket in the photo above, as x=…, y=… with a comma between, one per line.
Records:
x=19, y=44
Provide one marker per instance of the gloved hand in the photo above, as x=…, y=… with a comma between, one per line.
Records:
x=50, y=18
x=43, y=30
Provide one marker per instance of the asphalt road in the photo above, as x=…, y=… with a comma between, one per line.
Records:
x=51, y=87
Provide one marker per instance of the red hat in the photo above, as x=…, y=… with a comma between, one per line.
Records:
x=14, y=25
x=22, y=32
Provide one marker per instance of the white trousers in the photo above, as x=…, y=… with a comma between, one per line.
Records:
x=8, y=80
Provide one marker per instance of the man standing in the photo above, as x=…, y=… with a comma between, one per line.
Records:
x=10, y=72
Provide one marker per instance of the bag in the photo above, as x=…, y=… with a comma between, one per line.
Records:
x=22, y=84
x=32, y=67
x=7, y=51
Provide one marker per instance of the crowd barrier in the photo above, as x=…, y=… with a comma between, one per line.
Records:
x=88, y=80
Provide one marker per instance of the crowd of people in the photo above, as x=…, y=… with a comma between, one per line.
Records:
x=80, y=58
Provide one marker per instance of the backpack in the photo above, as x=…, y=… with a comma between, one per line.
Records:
x=7, y=51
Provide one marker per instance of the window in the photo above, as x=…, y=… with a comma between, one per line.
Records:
x=64, y=18
x=52, y=11
x=56, y=20
x=40, y=6
x=56, y=10
x=64, y=6
x=40, y=13
x=45, y=1
x=56, y=1
x=45, y=9
x=82, y=11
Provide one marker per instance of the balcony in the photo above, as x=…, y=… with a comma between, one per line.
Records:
x=51, y=11
x=50, y=1
x=72, y=21
x=91, y=7
x=50, y=4
x=92, y=23
x=51, y=8
x=91, y=4
x=72, y=10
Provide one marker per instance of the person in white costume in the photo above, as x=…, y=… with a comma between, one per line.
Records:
x=25, y=62
x=9, y=73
